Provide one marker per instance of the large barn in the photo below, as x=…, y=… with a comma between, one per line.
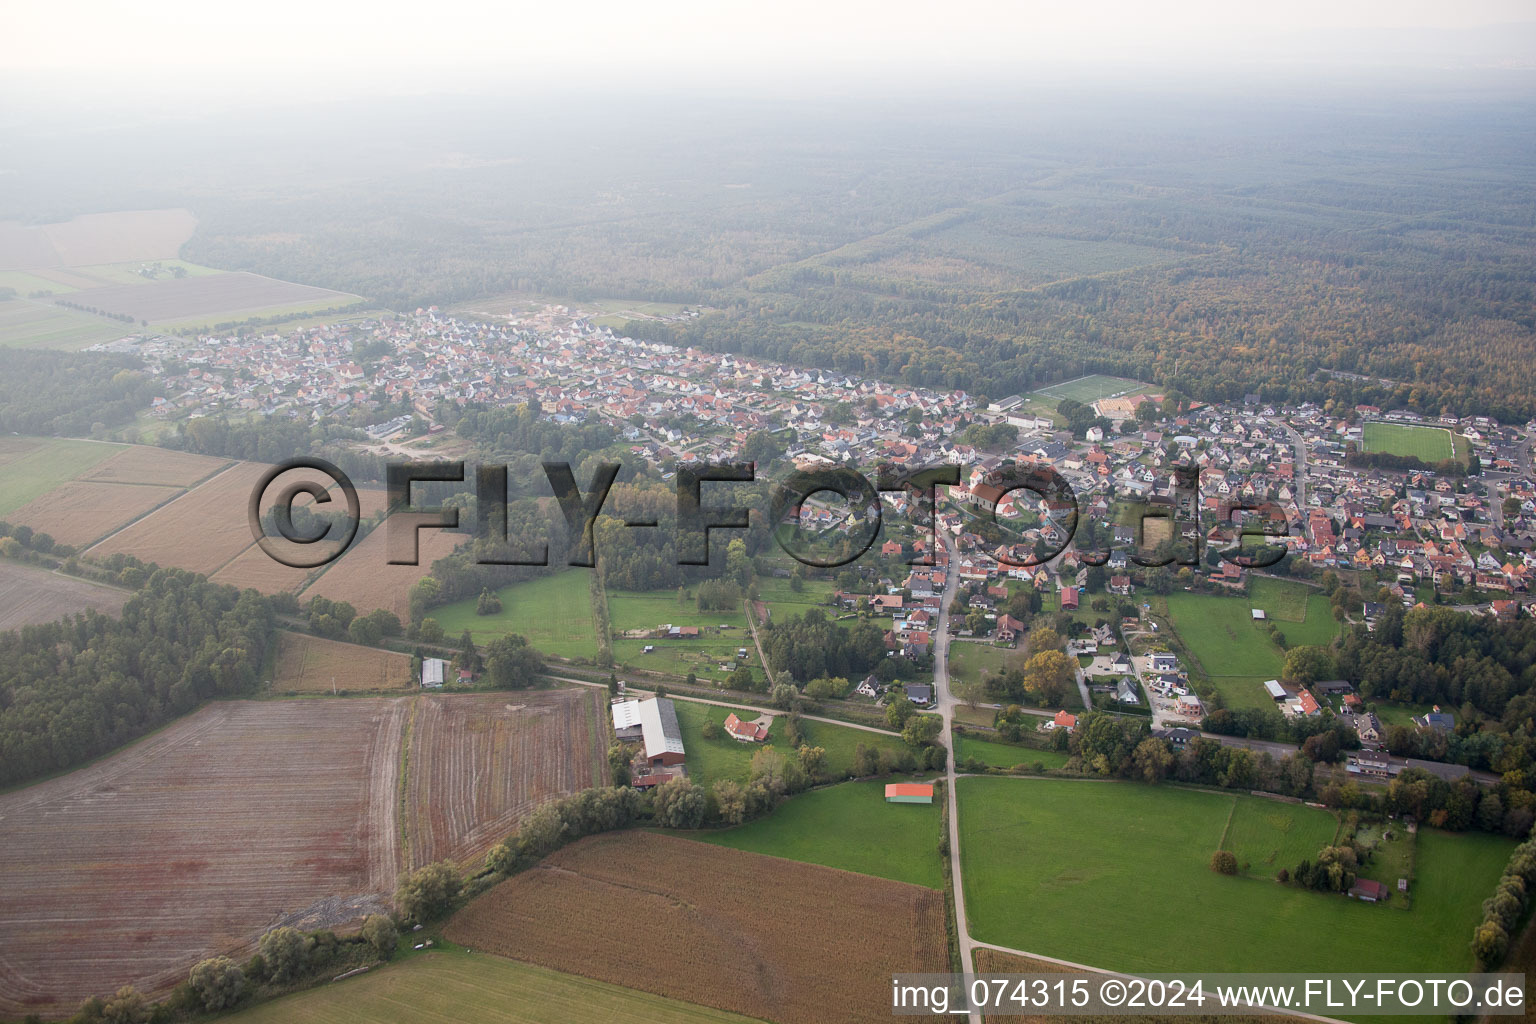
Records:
x=653, y=723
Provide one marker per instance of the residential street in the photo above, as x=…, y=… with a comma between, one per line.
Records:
x=945, y=702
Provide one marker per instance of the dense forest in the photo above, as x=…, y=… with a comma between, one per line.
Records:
x=75, y=689
x=70, y=393
x=1300, y=255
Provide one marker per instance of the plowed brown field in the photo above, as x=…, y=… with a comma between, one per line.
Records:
x=310, y=664
x=193, y=842
x=789, y=942
x=481, y=762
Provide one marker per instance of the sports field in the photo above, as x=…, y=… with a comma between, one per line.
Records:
x=1091, y=388
x=1432, y=444
x=553, y=612
x=726, y=758
x=849, y=826
x=1098, y=873
x=474, y=987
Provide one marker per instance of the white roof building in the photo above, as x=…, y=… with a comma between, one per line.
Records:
x=657, y=719
x=432, y=671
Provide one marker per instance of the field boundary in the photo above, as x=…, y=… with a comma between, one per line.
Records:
x=184, y=494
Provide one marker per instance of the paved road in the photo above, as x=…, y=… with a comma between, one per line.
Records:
x=945, y=700
x=1301, y=467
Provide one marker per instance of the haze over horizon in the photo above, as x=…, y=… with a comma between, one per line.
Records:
x=112, y=54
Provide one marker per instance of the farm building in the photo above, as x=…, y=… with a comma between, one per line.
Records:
x=432, y=673
x=1368, y=890
x=747, y=732
x=1275, y=690
x=1258, y=614
x=909, y=793
x=654, y=723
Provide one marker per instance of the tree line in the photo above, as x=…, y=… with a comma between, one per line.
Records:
x=78, y=688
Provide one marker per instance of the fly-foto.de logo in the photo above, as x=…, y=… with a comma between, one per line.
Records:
x=272, y=508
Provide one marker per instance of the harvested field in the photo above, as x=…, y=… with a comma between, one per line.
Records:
x=310, y=664
x=238, y=818
x=365, y=579
x=258, y=570
x=200, y=531
x=95, y=238
x=32, y=473
x=789, y=942
x=79, y=512
x=28, y=324
x=480, y=763
x=207, y=295
x=142, y=464
x=449, y=988
x=30, y=596
x=13, y=448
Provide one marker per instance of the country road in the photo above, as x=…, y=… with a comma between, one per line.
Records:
x=945, y=700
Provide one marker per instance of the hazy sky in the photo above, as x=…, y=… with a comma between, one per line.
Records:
x=412, y=46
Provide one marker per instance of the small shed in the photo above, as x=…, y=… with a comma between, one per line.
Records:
x=1258, y=614
x=909, y=793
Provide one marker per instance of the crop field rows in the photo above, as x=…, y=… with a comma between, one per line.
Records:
x=480, y=763
x=134, y=868
x=310, y=664
x=788, y=942
x=475, y=987
x=79, y=492
x=30, y=596
x=34, y=324
x=247, y=815
x=200, y=531
x=30, y=467
x=207, y=295
x=364, y=578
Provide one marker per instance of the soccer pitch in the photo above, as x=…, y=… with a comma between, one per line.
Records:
x=1091, y=388
x=1431, y=444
